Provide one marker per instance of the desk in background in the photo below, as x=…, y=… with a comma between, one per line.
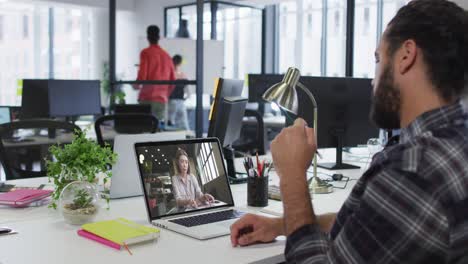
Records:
x=43, y=237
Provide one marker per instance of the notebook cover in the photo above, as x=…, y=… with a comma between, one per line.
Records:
x=99, y=239
x=122, y=231
x=23, y=196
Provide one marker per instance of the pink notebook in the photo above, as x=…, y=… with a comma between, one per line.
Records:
x=99, y=239
x=23, y=197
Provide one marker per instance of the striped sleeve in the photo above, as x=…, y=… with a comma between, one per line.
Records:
x=397, y=220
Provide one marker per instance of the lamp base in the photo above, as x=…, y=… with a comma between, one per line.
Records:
x=335, y=166
x=318, y=186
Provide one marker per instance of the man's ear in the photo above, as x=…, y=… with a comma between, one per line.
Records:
x=406, y=56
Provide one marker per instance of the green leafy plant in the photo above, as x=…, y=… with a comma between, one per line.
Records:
x=81, y=160
x=82, y=200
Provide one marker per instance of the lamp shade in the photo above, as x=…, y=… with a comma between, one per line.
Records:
x=284, y=93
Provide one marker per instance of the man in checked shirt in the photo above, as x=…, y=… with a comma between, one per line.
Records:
x=411, y=205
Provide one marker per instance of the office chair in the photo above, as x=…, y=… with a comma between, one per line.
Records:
x=246, y=144
x=18, y=154
x=131, y=123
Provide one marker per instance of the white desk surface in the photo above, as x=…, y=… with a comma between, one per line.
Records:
x=43, y=237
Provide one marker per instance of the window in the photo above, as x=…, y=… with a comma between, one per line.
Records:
x=208, y=163
x=312, y=43
x=366, y=22
x=25, y=26
x=172, y=22
x=322, y=24
x=336, y=40
x=238, y=27
x=365, y=38
x=26, y=53
x=288, y=43
x=367, y=34
x=189, y=13
x=2, y=22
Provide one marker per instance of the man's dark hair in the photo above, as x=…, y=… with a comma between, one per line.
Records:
x=152, y=33
x=440, y=30
x=177, y=59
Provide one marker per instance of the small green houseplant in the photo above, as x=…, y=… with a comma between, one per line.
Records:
x=79, y=202
x=81, y=160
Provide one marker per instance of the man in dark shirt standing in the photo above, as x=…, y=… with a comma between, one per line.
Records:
x=411, y=205
x=155, y=64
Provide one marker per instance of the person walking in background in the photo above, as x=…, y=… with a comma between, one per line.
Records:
x=177, y=110
x=155, y=64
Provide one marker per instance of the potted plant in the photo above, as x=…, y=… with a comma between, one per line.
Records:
x=82, y=160
x=79, y=202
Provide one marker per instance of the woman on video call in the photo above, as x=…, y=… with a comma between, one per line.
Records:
x=185, y=186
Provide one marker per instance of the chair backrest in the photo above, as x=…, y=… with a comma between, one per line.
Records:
x=131, y=123
x=20, y=153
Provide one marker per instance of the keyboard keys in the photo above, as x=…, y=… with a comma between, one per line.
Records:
x=207, y=218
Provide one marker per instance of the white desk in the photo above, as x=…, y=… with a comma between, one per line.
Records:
x=43, y=237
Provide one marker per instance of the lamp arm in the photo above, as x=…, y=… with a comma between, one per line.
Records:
x=309, y=93
x=314, y=103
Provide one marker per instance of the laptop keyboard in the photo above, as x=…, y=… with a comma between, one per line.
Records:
x=207, y=218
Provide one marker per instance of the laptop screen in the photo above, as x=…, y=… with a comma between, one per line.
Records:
x=5, y=116
x=182, y=176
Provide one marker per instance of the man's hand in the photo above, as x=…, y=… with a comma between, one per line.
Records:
x=293, y=150
x=254, y=228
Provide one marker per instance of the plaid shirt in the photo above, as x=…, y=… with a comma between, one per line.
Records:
x=410, y=206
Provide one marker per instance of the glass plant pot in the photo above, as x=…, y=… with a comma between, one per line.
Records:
x=79, y=202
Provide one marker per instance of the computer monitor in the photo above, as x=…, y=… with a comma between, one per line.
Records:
x=343, y=110
x=227, y=129
x=5, y=115
x=259, y=83
x=223, y=88
x=71, y=98
x=229, y=117
x=226, y=115
x=128, y=125
x=35, y=99
x=132, y=108
x=343, y=114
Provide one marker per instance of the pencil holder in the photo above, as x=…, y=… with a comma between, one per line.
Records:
x=257, y=191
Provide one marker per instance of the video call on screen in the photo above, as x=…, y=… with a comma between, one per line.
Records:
x=184, y=177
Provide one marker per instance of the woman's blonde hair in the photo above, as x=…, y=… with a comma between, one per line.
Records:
x=181, y=152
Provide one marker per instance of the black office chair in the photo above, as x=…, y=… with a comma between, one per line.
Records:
x=131, y=123
x=19, y=154
x=251, y=145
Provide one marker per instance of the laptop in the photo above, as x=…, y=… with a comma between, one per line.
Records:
x=186, y=187
x=125, y=181
x=5, y=115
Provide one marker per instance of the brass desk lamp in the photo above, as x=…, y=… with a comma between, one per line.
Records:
x=284, y=95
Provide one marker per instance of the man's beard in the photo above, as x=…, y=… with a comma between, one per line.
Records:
x=386, y=102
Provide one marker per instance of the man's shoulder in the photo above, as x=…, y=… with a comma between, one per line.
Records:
x=436, y=157
x=433, y=146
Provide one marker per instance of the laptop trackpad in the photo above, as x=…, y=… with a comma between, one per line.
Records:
x=226, y=224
